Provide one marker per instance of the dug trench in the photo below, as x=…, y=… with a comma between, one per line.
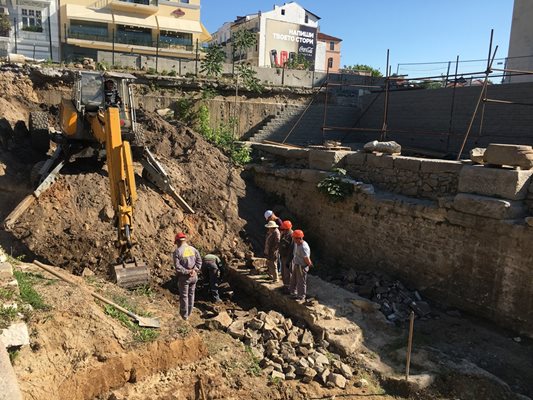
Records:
x=81, y=349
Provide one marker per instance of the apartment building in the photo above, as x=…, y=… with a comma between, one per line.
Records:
x=287, y=32
x=520, y=55
x=30, y=28
x=148, y=27
x=331, y=48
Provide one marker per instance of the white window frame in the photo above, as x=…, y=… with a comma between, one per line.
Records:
x=31, y=14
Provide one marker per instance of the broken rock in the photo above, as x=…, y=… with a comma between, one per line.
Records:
x=337, y=380
x=221, y=322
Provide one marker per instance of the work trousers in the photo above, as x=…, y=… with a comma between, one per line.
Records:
x=212, y=272
x=298, y=284
x=272, y=265
x=186, y=286
x=286, y=271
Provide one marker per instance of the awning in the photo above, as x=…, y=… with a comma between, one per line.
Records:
x=83, y=13
x=178, y=25
x=205, y=36
x=132, y=20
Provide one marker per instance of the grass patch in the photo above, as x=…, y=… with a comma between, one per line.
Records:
x=7, y=315
x=28, y=294
x=253, y=368
x=13, y=354
x=140, y=334
x=7, y=294
x=145, y=290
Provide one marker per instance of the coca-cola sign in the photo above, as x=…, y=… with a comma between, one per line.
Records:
x=178, y=13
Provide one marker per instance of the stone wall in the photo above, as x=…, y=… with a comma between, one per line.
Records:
x=478, y=264
x=458, y=232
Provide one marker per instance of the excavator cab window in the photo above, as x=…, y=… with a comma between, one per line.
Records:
x=92, y=92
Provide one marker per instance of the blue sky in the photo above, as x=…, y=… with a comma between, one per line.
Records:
x=413, y=30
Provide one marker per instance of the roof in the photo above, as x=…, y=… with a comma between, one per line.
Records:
x=306, y=10
x=323, y=36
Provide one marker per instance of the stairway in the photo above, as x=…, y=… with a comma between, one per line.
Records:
x=309, y=129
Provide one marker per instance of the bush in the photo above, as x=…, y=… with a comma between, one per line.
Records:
x=336, y=186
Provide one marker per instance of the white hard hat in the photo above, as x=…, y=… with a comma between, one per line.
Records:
x=268, y=214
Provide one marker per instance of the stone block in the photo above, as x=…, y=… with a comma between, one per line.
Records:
x=281, y=151
x=476, y=155
x=428, y=165
x=407, y=163
x=6, y=271
x=504, y=183
x=326, y=159
x=15, y=335
x=509, y=154
x=489, y=207
x=383, y=161
x=356, y=158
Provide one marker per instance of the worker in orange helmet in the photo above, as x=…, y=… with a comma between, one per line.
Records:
x=286, y=249
x=187, y=262
x=301, y=262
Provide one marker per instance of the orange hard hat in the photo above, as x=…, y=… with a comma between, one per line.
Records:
x=286, y=225
x=298, y=234
x=180, y=236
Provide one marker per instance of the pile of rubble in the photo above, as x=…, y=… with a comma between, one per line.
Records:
x=283, y=349
x=395, y=300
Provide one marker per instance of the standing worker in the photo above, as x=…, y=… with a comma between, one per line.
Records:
x=286, y=249
x=272, y=249
x=212, y=268
x=270, y=216
x=188, y=262
x=301, y=263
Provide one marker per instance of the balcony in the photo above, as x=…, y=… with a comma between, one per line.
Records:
x=88, y=33
x=145, y=7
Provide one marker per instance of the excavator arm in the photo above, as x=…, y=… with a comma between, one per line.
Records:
x=121, y=180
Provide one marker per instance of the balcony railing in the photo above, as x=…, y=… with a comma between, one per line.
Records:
x=133, y=38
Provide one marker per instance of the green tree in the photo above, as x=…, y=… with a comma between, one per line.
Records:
x=363, y=67
x=212, y=63
x=5, y=26
x=249, y=78
x=298, y=62
x=242, y=40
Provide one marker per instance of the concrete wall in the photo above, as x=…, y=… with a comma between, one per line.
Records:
x=421, y=118
x=480, y=264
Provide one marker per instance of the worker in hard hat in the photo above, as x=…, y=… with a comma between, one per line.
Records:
x=270, y=216
x=286, y=249
x=272, y=249
x=111, y=95
x=187, y=262
x=301, y=262
x=212, y=266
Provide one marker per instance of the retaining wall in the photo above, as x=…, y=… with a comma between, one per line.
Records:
x=425, y=117
x=478, y=264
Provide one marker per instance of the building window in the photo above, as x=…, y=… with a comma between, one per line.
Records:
x=184, y=1
x=330, y=62
x=332, y=46
x=32, y=20
x=282, y=11
x=307, y=19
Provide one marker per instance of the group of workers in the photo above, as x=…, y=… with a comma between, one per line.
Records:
x=286, y=252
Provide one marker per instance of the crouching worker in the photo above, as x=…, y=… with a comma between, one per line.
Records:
x=212, y=269
x=301, y=262
x=187, y=262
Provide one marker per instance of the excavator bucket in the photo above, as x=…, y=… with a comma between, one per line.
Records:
x=131, y=275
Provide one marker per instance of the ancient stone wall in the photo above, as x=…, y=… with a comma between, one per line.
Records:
x=477, y=263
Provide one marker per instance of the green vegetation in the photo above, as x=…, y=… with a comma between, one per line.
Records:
x=103, y=66
x=363, y=67
x=5, y=25
x=173, y=73
x=222, y=137
x=249, y=78
x=336, y=186
x=7, y=294
x=253, y=368
x=28, y=294
x=298, y=62
x=145, y=290
x=185, y=111
x=212, y=63
x=140, y=334
x=13, y=354
x=243, y=40
x=7, y=315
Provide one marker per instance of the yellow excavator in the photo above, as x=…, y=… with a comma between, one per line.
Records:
x=99, y=122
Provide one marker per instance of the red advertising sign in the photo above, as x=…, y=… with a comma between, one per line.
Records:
x=178, y=13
